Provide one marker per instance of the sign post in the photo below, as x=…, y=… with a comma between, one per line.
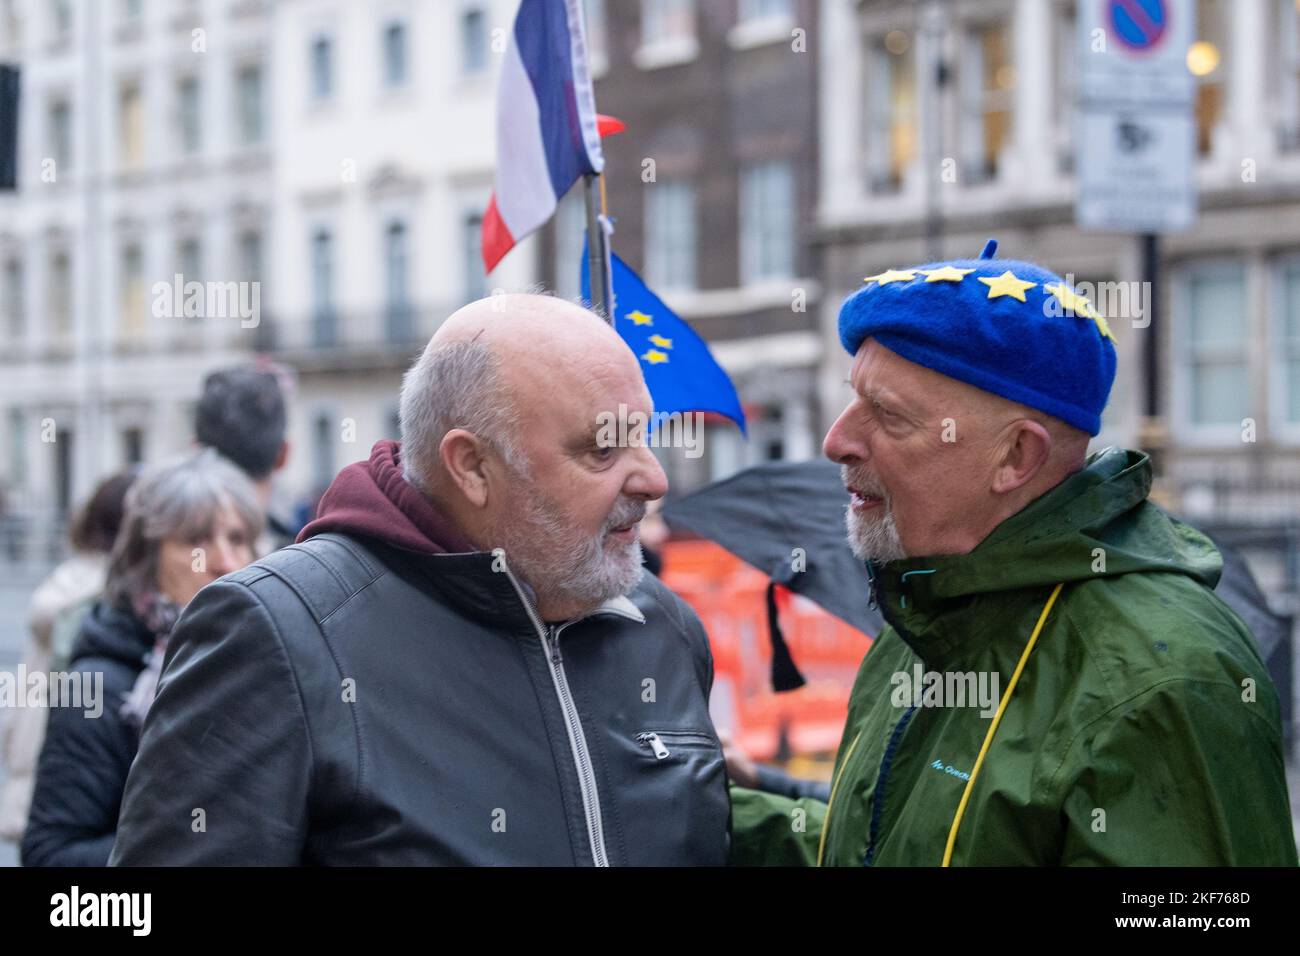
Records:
x=1137, y=147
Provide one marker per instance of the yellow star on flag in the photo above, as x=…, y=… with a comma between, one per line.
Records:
x=640, y=318
x=892, y=275
x=945, y=274
x=655, y=357
x=662, y=342
x=1007, y=284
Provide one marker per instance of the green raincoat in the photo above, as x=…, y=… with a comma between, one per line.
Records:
x=1143, y=729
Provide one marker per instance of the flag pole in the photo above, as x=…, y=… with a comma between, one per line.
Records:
x=602, y=299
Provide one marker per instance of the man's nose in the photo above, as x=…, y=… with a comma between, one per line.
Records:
x=647, y=479
x=841, y=444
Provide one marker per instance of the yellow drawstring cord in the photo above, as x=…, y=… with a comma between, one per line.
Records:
x=821, y=844
x=993, y=728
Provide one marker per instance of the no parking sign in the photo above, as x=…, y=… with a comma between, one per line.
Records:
x=1136, y=144
x=1138, y=24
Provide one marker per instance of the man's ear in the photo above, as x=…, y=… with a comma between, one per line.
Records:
x=282, y=457
x=464, y=456
x=1026, y=446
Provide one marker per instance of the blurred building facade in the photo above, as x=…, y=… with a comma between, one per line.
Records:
x=143, y=156
x=384, y=158
x=340, y=154
x=983, y=92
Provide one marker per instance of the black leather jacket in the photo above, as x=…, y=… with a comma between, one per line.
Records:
x=348, y=702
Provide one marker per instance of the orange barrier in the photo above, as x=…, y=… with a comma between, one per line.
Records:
x=728, y=595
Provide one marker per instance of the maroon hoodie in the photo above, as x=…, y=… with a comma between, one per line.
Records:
x=372, y=498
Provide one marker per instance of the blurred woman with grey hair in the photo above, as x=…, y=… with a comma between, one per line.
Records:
x=187, y=523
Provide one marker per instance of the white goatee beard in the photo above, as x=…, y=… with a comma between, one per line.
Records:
x=564, y=566
x=873, y=538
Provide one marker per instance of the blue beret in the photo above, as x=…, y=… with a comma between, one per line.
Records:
x=1008, y=327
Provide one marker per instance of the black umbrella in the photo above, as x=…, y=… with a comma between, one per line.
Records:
x=787, y=520
x=1238, y=589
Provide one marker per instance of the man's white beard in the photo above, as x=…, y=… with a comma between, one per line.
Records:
x=559, y=562
x=872, y=537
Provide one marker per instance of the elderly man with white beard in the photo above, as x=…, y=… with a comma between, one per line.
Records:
x=1136, y=724
x=460, y=661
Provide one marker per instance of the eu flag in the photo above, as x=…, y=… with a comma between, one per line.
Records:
x=680, y=372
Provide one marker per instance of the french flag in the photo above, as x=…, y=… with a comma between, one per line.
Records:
x=547, y=135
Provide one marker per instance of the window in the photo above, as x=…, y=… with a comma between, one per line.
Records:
x=249, y=253
x=61, y=136
x=473, y=41
x=987, y=81
x=324, y=450
x=17, y=448
x=189, y=257
x=597, y=43
x=11, y=31
x=667, y=21
x=187, y=101
x=11, y=298
x=1214, y=346
x=130, y=121
x=132, y=11
x=248, y=82
x=1203, y=59
x=132, y=446
x=767, y=222
x=397, y=295
x=670, y=235
x=765, y=9
x=1286, y=349
x=131, y=304
x=322, y=68
x=1287, y=71
x=1064, y=79
x=322, y=288
x=475, y=279
x=395, y=55
x=61, y=20
x=891, y=106
x=58, y=293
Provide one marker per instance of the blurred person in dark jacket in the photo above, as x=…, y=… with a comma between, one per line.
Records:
x=186, y=524
x=58, y=606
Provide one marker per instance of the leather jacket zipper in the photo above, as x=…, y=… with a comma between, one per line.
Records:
x=577, y=741
x=654, y=740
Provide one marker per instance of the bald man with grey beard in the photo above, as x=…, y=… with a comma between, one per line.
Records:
x=460, y=661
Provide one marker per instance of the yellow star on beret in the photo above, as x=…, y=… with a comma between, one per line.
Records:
x=1007, y=284
x=892, y=275
x=1102, y=325
x=1071, y=301
x=945, y=274
x=662, y=342
x=640, y=318
x=655, y=357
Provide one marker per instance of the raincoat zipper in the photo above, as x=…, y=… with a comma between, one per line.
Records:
x=882, y=780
